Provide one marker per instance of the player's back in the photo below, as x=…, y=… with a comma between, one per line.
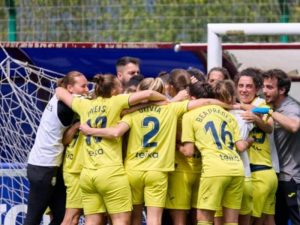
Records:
x=214, y=132
x=101, y=113
x=151, y=144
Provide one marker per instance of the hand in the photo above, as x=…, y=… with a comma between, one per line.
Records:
x=76, y=125
x=250, y=141
x=180, y=148
x=85, y=129
x=249, y=116
x=194, y=80
x=181, y=95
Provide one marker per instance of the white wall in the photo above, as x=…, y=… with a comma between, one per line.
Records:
x=295, y=90
x=286, y=59
x=265, y=59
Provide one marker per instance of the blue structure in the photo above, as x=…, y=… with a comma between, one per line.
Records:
x=91, y=59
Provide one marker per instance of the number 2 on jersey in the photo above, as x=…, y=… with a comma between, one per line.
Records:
x=224, y=134
x=146, y=139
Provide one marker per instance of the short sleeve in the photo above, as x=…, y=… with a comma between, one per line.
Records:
x=187, y=129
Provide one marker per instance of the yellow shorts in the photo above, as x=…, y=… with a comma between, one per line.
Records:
x=218, y=192
x=247, y=202
x=105, y=189
x=182, y=190
x=247, y=199
x=74, y=199
x=149, y=187
x=264, y=184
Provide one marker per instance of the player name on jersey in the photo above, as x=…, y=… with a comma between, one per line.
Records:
x=209, y=111
x=97, y=109
x=151, y=108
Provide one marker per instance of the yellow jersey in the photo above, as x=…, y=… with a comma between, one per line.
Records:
x=183, y=163
x=100, y=113
x=260, y=150
x=214, y=132
x=73, y=158
x=152, y=137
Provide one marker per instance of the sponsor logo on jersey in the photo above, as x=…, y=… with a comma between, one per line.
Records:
x=143, y=155
x=97, y=152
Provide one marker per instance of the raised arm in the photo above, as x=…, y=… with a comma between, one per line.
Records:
x=65, y=96
x=110, y=132
x=147, y=95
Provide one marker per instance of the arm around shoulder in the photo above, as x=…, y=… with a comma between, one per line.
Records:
x=65, y=96
x=147, y=95
x=110, y=132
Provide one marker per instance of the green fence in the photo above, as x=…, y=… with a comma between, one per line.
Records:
x=137, y=20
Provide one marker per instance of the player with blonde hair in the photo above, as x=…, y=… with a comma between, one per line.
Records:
x=150, y=150
x=103, y=182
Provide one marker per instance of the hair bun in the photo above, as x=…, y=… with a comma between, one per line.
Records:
x=98, y=78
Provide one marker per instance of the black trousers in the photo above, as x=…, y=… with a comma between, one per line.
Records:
x=46, y=189
x=288, y=203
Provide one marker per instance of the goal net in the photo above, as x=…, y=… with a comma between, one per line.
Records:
x=24, y=92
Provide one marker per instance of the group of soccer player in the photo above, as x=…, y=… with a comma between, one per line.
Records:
x=201, y=149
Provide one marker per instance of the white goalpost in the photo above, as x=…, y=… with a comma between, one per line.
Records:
x=216, y=49
x=215, y=31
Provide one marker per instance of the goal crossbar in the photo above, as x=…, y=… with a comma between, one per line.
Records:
x=215, y=31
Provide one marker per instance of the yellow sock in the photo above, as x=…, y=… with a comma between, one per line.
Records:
x=204, y=223
x=230, y=223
